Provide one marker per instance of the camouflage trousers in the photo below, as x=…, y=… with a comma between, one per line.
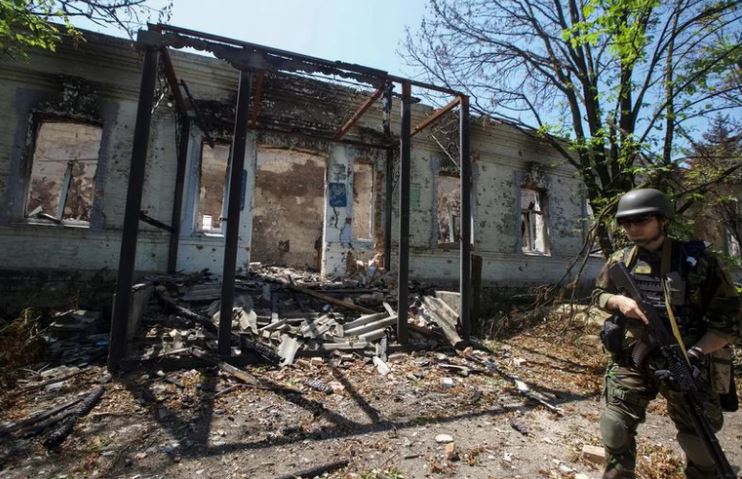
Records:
x=628, y=392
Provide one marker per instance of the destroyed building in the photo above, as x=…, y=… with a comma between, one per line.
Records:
x=310, y=201
x=335, y=173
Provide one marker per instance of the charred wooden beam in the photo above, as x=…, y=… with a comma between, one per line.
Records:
x=435, y=116
x=317, y=470
x=36, y=418
x=315, y=135
x=172, y=80
x=285, y=60
x=359, y=113
x=66, y=426
x=256, y=99
x=330, y=299
x=246, y=53
x=185, y=312
x=154, y=222
x=199, y=116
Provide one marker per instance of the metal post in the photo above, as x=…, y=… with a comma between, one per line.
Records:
x=239, y=140
x=388, y=178
x=404, y=216
x=185, y=131
x=466, y=220
x=127, y=256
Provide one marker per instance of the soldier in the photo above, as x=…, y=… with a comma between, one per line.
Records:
x=687, y=286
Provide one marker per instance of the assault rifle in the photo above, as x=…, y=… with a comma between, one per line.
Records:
x=680, y=372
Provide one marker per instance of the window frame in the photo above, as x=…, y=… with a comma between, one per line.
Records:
x=530, y=249
x=37, y=121
x=197, y=228
x=448, y=244
x=372, y=204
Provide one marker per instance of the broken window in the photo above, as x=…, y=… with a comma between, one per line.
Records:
x=212, y=181
x=533, y=222
x=289, y=208
x=363, y=200
x=448, y=201
x=63, y=165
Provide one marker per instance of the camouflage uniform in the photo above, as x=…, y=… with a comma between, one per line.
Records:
x=710, y=304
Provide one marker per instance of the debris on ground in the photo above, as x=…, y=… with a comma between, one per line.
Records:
x=314, y=388
x=281, y=314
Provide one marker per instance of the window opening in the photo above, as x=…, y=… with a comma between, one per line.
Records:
x=448, y=210
x=63, y=166
x=533, y=224
x=212, y=187
x=363, y=201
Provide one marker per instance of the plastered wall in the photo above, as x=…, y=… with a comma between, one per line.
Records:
x=289, y=208
x=504, y=159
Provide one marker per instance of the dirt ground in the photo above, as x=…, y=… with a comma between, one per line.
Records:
x=182, y=419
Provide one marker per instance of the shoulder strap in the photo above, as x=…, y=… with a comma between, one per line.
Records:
x=629, y=256
x=665, y=263
x=666, y=260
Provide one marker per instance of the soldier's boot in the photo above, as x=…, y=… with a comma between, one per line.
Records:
x=694, y=471
x=620, y=445
x=699, y=464
x=619, y=464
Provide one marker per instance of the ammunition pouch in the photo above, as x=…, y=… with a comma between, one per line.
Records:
x=721, y=374
x=729, y=400
x=613, y=334
x=642, y=349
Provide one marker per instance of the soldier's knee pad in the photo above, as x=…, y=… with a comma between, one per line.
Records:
x=615, y=428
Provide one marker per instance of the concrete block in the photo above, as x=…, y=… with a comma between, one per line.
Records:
x=593, y=454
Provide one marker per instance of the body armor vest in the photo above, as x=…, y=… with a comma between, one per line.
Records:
x=646, y=272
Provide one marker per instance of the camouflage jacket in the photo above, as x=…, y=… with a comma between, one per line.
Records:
x=708, y=287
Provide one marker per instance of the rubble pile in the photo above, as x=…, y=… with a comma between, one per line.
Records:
x=280, y=314
x=77, y=337
x=311, y=328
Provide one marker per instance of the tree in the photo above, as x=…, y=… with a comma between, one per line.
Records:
x=621, y=80
x=26, y=24
x=718, y=155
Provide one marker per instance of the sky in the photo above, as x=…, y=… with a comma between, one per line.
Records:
x=366, y=32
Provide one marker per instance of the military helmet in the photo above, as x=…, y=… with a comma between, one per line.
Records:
x=644, y=201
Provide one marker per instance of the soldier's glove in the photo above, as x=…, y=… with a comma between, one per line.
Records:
x=697, y=360
x=613, y=334
x=676, y=378
x=664, y=375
